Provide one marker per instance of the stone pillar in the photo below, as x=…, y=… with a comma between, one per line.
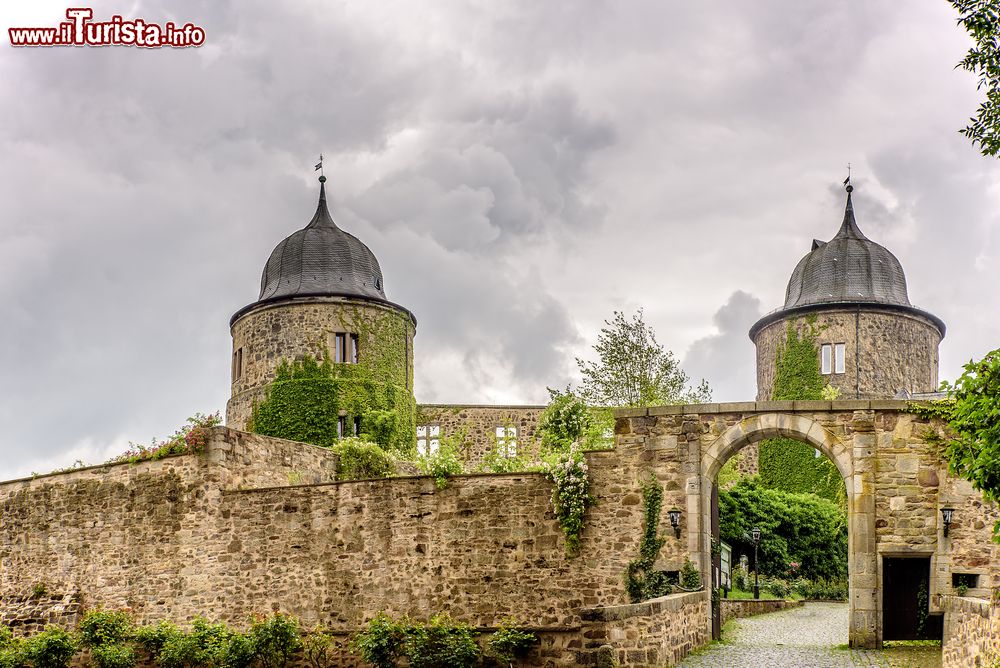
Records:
x=862, y=559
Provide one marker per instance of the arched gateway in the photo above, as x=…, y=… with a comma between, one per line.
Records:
x=896, y=484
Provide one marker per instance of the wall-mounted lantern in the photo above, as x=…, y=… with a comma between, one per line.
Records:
x=675, y=520
x=946, y=514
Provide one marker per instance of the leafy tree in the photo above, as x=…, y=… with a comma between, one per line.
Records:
x=801, y=528
x=633, y=369
x=568, y=419
x=973, y=413
x=981, y=19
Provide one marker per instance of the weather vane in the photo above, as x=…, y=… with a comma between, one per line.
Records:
x=319, y=166
x=847, y=181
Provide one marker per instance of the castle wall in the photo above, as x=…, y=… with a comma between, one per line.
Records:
x=291, y=329
x=479, y=425
x=971, y=633
x=898, y=351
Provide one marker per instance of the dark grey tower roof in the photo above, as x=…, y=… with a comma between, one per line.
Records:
x=850, y=267
x=320, y=260
x=849, y=270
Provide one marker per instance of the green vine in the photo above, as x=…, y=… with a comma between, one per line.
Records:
x=789, y=464
x=570, y=494
x=641, y=581
x=921, y=608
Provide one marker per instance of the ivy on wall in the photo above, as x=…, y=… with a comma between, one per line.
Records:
x=785, y=463
x=642, y=581
x=307, y=396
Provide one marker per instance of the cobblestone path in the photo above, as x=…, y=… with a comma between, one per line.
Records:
x=806, y=637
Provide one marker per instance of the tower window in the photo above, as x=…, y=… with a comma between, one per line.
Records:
x=344, y=348
x=238, y=364
x=507, y=441
x=341, y=426
x=357, y=426
x=354, y=348
x=428, y=438
x=340, y=348
x=833, y=358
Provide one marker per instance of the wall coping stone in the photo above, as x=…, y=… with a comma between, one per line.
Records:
x=900, y=405
x=669, y=603
x=976, y=606
x=497, y=406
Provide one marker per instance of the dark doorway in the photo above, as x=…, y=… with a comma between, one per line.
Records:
x=905, y=597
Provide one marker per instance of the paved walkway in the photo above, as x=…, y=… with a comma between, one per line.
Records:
x=806, y=637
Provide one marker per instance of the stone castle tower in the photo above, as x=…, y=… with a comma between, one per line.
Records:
x=873, y=344
x=321, y=294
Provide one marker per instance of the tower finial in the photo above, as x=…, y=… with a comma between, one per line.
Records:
x=847, y=181
x=319, y=166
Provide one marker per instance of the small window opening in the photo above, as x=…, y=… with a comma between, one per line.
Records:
x=506, y=441
x=838, y=358
x=340, y=348
x=354, y=348
x=357, y=426
x=341, y=426
x=967, y=580
x=428, y=438
x=238, y=363
x=826, y=359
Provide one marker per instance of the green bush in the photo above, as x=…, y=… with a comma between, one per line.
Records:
x=179, y=651
x=361, y=460
x=275, y=639
x=440, y=643
x=52, y=648
x=441, y=464
x=153, y=638
x=690, y=576
x=509, y=643
x=568, y=419
x=106, y=627
x=113, y=655
x=319, y=648
x=799, y=528
x=11, y=649
x=381, y=642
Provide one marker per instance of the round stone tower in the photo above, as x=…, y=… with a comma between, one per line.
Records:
x=872, y=343
x=321, y=294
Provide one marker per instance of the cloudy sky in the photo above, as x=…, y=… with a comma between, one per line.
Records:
x=520, y=169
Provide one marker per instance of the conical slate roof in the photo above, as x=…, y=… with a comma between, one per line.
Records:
x=848, y=268
x=321, y=259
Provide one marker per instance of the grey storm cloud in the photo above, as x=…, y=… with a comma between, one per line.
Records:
x=520, y=169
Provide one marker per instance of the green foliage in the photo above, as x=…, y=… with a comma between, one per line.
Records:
x=307, y=396
x=12, y=653
x=981, y=19
x=116, y=655
x=821, y=590
x=690, y=576
x=106, y=627
x=785, y=463
x=381, y=643
x=497, y=461
x=568, y=419
x=153, y=638
x=441, y=643
x=361, y=460
x=52, y=648
x=802, y=528
x=509, y=643
x=274, y=639
x=641, y=581
x=188, y=439
x=633, y=369
x=319, y=648
x=975, y=418
x=570, y=494
x=442, y=463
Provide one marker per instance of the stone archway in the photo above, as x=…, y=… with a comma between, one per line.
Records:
x=858, y=478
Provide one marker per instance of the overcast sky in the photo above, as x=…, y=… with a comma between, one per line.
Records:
x=520, y=169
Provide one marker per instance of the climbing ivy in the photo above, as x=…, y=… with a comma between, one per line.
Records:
x=641, y=581
x=305, y=401
x=785, y=463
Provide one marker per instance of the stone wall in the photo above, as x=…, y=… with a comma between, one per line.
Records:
x=739, y=608
x=898, y=351
x=290, y=329
x=654, y=633
x=479, y=424
x=971, y=633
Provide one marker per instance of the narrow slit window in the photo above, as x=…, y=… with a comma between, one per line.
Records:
x=341, y=426
x=826, y=359
x=354, y=348
x=839, y=351
x=357, y=426
x=340, y=348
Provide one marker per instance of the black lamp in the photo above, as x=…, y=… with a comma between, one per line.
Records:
x=675, y=520
x=946, y=514
x=755, y=534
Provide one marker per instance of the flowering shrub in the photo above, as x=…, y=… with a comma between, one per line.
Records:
x=570, y=494
x=189, y=439
x=441, y=464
